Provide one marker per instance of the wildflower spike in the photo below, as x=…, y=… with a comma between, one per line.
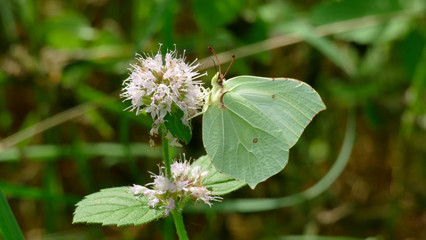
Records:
x=158, y=86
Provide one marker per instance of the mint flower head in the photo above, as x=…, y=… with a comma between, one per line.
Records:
x=156, y=85
x=185, y=183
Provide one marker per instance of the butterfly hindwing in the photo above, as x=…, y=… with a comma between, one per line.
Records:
x=249, y=135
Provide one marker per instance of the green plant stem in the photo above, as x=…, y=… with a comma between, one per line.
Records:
x=166, y=154
x=9, y=228
x=177, y=215
x=180, y=227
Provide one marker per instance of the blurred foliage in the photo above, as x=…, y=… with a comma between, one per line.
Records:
x=64, y=134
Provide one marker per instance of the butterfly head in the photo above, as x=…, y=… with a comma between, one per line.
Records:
x=219, y=78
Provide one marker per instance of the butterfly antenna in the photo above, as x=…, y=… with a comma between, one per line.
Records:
x=217, y=59
x=233, y=58
x=214, y=64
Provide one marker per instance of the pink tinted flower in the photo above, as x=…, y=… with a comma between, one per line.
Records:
x=170, y=206
x=180, y=169
x=153, y=202
x=138, y=189
x=155, y=85
x=185, y=182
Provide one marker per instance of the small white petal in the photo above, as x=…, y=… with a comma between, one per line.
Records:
x=149, y=193
x=153, y=202
x=138, y=189
x=180, y=169
x=162, y=183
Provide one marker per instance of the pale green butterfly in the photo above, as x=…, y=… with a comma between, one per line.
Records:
x=250, y=123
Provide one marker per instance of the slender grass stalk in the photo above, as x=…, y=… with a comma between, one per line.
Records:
x=8, y=225
x=35, y=193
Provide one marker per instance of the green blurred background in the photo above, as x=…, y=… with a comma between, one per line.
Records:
x=64, y=134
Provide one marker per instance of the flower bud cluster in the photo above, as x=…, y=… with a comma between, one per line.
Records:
x=185, y=183
x=156, y=86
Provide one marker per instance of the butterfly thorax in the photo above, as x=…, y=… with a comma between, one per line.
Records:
x=217, y=92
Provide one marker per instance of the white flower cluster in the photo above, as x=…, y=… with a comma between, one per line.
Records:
x=156, y=86
x=185, y=183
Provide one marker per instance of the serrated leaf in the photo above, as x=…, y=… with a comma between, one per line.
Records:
x=173, y=123
x=115, y=206
x=218, y=183
x=251, y=123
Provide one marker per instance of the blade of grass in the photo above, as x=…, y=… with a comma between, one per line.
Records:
x=8, y=21
x=305, y=31
x=52, y=152
x=82, y=163
x=329, y=49
x=45, y=125
x=416, y=92
x=149, y=29
x=51, y=208
x=8, y=225
x=34, y=193
x=110, y=103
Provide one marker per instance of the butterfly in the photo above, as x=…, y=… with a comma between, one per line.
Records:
x=250, y=123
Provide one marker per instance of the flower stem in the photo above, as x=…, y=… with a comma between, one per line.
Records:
x=177, y=215
x=166, y=154
x=180, y=227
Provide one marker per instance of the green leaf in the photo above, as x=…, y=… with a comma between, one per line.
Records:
x=322, y=44
x=174, y=124
x=68, y=30
x=115, y=206
x=326, y=12
x=9, y=228
x=223, y=12
x=218, y=183
x=249, y=136
x=87, y=93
